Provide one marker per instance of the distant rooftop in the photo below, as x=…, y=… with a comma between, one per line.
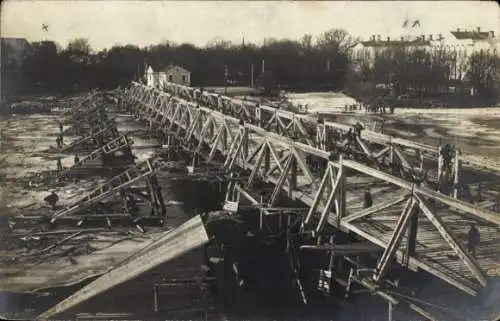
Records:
x=422, y=40
x=476, y=34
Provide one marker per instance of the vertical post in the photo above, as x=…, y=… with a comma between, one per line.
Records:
x=288, y=224
x=391, y=157
x=224, y=138
x=267, y=159
x=245, y=146
x=319, y=136
x=440, y=165
x=258, y=115
x=155, y=297
x=391, y=307
x=251, y=75
x=292, y=182
x=412, y=232
x=341, y=197
x=456, y=170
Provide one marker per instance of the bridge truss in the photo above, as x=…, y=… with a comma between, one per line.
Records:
x=415, y=220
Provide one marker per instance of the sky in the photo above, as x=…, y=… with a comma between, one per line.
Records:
x=142, y=23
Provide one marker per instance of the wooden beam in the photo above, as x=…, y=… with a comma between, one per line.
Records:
x=172, y=244
x=469, y=261
x=375, y=208
x=255, y=170
x=318, y=196
x=329, y=202
x=395, y=240
x=413, y=261
x=281, y=181
x=469, y=209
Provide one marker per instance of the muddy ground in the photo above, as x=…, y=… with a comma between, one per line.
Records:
x=27, y=174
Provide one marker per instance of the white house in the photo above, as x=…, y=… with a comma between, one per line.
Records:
x=175, y=74
x=178, y=75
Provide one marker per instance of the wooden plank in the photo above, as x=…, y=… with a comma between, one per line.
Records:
x=184, y=238
x=470, y=210
x=375, y=208
x=413, y=261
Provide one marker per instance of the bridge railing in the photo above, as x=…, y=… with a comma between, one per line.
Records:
x=379, y=150
x=283, y=161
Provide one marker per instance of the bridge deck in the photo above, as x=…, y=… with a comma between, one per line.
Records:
x=443, y=222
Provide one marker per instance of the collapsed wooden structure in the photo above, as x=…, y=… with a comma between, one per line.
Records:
x=417, y=218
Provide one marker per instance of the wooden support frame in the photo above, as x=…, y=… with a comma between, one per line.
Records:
x=395, y=240
x=276, y=142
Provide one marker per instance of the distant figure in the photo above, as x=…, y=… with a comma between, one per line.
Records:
x=368, y=201
x=345, y=107
x=358, y=127
x=242, y=122
x=61, y=139
x=473, y=239
x=77, y=159
x=59, y=165
x=60, y=127
x=52, y=200
x=58, y=141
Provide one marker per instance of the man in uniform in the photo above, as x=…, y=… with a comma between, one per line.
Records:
x=52, y=200
x=473, y=239
x=59, y=165
x=368, y=201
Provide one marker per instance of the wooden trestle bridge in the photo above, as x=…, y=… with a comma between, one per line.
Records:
x=424, y=197
x=414, y=186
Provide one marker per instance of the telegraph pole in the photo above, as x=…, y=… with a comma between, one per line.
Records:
x=251, y=74
x=225, y=79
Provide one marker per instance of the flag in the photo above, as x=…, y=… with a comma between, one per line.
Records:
x=405, y=23
x=416, y=23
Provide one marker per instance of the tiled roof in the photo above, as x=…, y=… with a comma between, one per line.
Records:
x=395, y=43
x=473, y=35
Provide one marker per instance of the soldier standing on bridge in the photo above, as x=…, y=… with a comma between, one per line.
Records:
x=473, y=239
x=368, y=201
x=59, y=165
x=358, y=127
x=77, y=159
x=58, y=141
x=60, y=127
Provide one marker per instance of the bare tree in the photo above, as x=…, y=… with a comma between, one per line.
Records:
x=336, y=40
x=79, y=45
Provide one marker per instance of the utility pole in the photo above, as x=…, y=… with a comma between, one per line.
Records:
x=251, y=75
x=225, y=79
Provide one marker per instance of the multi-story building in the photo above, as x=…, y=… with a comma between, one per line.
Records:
x=458, y=45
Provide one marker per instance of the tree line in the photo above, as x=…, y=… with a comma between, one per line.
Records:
x=328, y=61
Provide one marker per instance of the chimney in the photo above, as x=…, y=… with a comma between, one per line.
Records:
x=430, y=37
x=379, y=38
x=440, y=36
x=478, y=29
x=373, y=38
x=458, y=29
x=402, y=38
x=388, y=39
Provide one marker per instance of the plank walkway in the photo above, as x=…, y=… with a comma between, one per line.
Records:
x=442, y=230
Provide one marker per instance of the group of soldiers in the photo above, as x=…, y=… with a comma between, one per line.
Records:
x=372, y=108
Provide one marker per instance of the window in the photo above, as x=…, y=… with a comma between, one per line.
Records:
x=184, y=78
x=170, y=78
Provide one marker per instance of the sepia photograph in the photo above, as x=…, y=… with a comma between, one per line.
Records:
x=249, y=160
